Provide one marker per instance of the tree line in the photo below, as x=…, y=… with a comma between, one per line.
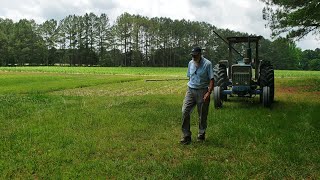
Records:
x=132, y=40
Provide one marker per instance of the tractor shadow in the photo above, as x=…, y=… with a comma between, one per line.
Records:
x=249, y=103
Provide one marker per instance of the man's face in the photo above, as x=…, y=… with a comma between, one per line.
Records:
x=196, y=57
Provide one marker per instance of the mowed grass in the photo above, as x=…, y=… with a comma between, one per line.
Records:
x=105, y=125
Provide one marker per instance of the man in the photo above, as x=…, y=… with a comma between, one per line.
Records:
x=200, y=86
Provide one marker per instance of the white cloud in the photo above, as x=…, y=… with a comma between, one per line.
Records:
x=175, y=9
x=16, y=10
x=238, y=15
x=309, y=42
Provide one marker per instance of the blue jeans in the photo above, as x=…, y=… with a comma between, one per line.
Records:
x=194, y=97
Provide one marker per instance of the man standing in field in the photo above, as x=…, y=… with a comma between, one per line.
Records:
x=200, y=86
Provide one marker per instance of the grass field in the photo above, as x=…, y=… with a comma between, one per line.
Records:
x=110, y=123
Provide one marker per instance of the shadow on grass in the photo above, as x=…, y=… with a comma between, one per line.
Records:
x=247, y=103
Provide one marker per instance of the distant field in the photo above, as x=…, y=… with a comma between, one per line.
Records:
x=102, y=70
x=153, y=71
x=110, y=123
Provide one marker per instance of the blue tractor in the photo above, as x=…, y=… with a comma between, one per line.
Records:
x=246, y=76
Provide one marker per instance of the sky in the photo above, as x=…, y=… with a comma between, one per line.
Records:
x=237, y=15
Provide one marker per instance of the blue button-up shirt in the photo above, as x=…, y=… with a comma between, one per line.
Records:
x=199, y=77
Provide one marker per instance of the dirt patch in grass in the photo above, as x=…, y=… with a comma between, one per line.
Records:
x=297, y=89
x=287, y=90
x=317, y=93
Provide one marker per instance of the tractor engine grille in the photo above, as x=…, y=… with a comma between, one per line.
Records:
x=241, y=75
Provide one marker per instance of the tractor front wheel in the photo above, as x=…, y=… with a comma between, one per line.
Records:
x=267, y=78
x=266, y=96
x=217, y=97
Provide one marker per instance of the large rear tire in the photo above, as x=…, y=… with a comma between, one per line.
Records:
x=221, y=78
x=217, y=97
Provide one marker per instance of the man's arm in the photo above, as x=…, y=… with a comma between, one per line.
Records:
x=188, y=72
x=211, y=85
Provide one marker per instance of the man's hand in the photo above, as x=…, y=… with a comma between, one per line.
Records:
x=206, y=97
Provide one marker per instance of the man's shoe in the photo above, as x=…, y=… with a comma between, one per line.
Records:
x=201, y=137
x=185, y=140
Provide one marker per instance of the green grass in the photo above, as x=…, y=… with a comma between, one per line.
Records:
x=95, y=125
x=299, y=74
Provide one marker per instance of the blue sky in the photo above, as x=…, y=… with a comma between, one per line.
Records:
x=238, y=15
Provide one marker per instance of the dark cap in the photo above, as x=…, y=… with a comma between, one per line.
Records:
x=196, y=51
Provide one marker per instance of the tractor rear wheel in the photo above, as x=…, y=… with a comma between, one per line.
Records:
x=217, y=97
x=221, y=78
